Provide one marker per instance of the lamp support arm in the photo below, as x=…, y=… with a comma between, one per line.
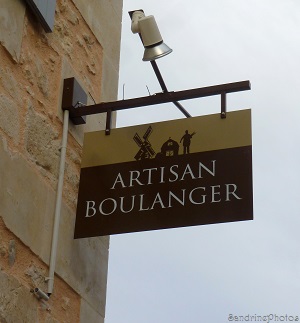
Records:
x=164, y=88
x=157, y=98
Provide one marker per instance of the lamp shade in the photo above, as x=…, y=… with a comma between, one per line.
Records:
x=157, y=51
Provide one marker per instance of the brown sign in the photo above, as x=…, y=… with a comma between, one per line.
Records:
x=170, y=174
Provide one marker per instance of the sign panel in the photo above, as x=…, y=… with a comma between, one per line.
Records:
x=170, y=174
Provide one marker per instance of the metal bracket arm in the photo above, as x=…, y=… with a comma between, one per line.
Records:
x=159, y=98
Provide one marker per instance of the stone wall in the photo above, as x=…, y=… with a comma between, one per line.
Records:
x=85, y=44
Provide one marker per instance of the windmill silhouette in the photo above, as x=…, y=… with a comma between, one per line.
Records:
x=146, y=151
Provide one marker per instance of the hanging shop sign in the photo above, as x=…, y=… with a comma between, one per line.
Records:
x=178, y=173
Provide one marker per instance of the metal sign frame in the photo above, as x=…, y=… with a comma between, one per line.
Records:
x=169, y=174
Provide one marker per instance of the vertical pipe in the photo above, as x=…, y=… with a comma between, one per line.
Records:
x=108, y=122
x=58, y=203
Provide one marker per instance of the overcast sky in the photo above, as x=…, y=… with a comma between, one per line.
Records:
x=206, y=273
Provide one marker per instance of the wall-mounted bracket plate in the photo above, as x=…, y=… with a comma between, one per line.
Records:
x=74, y=97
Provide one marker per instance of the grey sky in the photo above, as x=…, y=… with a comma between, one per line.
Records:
x=205, y=273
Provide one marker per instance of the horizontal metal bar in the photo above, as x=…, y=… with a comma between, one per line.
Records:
x=159, y=98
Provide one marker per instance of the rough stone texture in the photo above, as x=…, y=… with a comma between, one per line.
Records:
x=31, y=218
x=12, y=14
x=109, y=14
x=14, y=299
x=9, y=121
x=17, y=303
x=10, y=84
x=42, y=142
x=32, y=68
x=11, y=253
x=26, y=205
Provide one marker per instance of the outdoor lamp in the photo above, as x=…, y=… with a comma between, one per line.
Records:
x=147, y=28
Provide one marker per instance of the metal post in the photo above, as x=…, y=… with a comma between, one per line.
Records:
x=223, y=105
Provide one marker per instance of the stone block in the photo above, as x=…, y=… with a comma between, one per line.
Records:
x=110, y=77
x=27, y=201
x=14, y=298
x=83, y=263
x=10, y=84
x=42, y=78
x=12, y=15
x=12, y=253
x=27, y=204
x=88, y=314
x=9, y=121
x=42, y=142
x=107, y=26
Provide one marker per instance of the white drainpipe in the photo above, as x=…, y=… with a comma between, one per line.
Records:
x=50, y=279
